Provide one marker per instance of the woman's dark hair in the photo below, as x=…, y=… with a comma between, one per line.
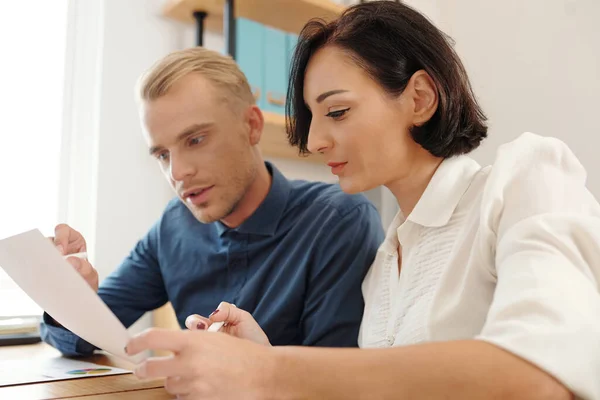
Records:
x=391, y=42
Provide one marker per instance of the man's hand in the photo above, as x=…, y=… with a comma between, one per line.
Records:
x=68, y=241
x=238, y=323
x=205, y=364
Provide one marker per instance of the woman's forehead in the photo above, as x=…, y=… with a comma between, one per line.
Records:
x=330, y=67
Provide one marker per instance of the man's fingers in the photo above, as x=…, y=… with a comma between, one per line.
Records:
x=59, y=247
x=81, y=265
x=85, y=269
x=157, y=339
x=197, y=322
x=61, y=237
x=68, y=240
x=75, y=262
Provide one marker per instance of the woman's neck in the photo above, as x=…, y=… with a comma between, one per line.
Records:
x=409, y=188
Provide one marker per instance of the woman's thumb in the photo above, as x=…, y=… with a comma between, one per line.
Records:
x=226, y=312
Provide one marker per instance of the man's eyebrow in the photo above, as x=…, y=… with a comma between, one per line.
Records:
x=190, y=130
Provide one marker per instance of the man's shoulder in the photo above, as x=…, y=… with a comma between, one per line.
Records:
x=327, y=197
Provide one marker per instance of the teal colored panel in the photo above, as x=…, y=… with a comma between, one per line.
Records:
x=249, y=54
x=292, y=40
x=276, y=70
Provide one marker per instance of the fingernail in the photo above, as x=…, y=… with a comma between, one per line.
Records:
x=61, y=249
x=214, y=313
x=201, y=326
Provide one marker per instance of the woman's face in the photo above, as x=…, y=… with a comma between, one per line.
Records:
x=363, y=131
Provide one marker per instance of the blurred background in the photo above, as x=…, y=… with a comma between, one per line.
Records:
x=71, y=142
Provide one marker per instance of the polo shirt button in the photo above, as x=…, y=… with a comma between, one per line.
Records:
x=390, y=340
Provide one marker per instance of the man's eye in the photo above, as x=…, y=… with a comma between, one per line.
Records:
x=196, y=140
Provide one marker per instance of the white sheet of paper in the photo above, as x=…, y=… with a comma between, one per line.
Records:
x=17, y=372
x=39, y=269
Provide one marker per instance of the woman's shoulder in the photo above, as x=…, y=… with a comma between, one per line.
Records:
x=536, y=161
x=534, y=175
x=532, y=151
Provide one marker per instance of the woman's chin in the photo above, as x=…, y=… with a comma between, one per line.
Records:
x=354, y=186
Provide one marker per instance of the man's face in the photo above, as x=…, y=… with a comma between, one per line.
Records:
x=203, y=145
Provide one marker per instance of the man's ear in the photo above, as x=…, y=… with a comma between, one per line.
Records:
x=424, y=96
x=256, y=123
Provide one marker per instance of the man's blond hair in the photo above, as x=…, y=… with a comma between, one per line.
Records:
x=222, y=71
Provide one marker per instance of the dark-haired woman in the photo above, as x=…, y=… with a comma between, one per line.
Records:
x=487, y=285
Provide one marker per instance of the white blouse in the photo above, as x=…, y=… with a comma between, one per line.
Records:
x=508, y=254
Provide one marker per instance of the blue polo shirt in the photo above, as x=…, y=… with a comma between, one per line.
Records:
x=296, y=265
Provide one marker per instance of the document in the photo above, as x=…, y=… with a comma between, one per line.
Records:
x=33, y=262
x=17, y=372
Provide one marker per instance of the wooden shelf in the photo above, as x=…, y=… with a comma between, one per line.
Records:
x=287, y=15
x=274, y=141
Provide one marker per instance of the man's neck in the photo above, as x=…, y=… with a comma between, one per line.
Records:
x=253, y=198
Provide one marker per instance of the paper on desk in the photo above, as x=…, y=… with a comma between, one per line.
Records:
x=39, y=269
x=17, y=372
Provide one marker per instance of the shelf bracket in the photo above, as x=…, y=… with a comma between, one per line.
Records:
x=229, y=27
x=199, y=16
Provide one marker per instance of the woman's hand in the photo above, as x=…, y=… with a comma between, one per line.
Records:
x=238, y=323
x=206, y=365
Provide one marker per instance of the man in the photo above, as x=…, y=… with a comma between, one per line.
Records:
x=292, y=253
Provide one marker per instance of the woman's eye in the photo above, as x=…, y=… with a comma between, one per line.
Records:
x=337, y=113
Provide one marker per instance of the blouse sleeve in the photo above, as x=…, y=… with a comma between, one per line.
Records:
x=544, y=227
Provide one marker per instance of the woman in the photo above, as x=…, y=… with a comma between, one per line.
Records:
x=487, y=283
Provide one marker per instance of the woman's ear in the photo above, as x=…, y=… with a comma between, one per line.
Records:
x=425, y=97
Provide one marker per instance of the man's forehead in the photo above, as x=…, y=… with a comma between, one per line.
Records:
x=190, y=98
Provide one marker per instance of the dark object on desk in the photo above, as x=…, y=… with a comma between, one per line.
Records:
x=17, y=339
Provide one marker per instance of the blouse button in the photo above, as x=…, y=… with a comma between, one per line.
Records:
x=390, y=340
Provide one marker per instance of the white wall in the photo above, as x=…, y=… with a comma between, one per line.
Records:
x=535, y=66
x=131, y=191
x=431, y=8
x=122, y=191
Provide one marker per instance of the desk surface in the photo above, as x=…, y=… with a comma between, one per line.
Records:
x=95, y=388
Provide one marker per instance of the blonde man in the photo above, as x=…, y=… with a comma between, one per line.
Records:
x=292, y=253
